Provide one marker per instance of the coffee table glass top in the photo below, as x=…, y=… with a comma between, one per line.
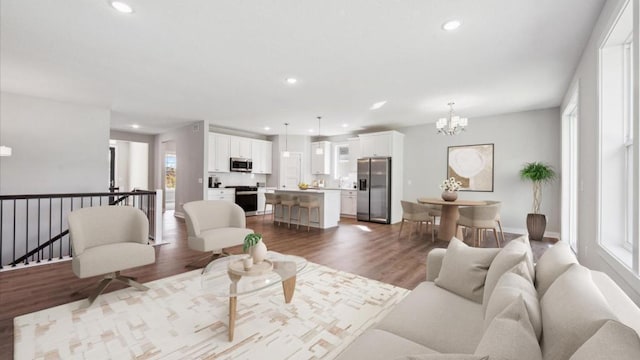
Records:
x=217, y=280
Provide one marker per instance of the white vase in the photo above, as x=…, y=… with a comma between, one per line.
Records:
x=259, y=252
x=247, y=263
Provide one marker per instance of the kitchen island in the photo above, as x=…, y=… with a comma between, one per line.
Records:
x=329, y=200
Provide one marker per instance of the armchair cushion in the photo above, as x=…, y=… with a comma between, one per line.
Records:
x=112, y=257
x=464, y=270
x=216, y=239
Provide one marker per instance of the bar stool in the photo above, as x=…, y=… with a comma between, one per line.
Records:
x=308, y=202
x=273, y=200
x=289, y=201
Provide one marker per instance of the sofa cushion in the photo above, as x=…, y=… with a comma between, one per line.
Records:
x=612, y=341
x=377, y=344
x=464, y=269
x=444, y=357
x=555, y=261
x=512, y=254
x=436, y=318
x=573, y=309
x=512, y=285
x=510, y=335
x=622, y=306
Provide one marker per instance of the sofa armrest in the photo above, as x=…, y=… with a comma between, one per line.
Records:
x=434, y=263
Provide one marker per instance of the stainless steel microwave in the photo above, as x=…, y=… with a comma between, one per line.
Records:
x=240, y=165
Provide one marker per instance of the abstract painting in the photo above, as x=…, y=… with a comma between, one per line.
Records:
x=472, y=165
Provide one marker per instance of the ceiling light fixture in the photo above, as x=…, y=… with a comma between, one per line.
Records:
x=121, y=7
x=286, y=153
x=319, y=149
x=291, y=81
x=5, y=151
x=135, y=126
x=451, y=25
x=378, y=105
x=345, y=125
x=267, y=128
x=453, y=125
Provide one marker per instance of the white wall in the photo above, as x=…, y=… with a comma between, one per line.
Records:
x=518, y=138
x=138, y=161
x=122, y=166
x=586, y=77
x=57, y=146
x=191, y=162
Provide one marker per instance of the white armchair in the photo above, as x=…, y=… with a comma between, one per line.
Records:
x=213, y=225
x=107, y=240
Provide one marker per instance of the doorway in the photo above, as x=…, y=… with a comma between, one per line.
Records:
x=170, y=166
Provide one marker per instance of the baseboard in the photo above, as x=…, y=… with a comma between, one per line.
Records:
x=549, y=234
x=178, y=214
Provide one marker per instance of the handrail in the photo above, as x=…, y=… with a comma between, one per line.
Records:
x=30, y=224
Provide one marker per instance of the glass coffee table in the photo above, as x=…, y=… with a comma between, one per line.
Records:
x=226, y=277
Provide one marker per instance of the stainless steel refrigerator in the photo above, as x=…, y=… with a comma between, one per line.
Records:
x=374, y=189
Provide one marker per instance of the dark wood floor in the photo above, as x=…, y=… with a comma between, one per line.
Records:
x=367, y=249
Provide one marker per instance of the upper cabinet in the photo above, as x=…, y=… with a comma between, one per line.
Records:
x=240, y=147
x=219, y=152
x=261, y=156
x=376, y=144
x=321, y=158
x=354, y=154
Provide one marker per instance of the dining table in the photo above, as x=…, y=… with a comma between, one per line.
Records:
x=449, y=215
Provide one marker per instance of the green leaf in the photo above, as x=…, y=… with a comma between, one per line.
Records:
x=251, y=240
x=537, y=171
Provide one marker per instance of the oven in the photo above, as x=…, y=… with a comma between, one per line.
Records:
x=247, y=198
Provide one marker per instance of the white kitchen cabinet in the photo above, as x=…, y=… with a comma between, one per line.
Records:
x=222, y=194
x=218, y=152
x=349, y=202
x=376, y=144
x=354, y=154
x=261, y=156
x=321, y=158
x=240, y=147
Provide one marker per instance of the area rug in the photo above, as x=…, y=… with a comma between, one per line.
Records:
x=178, y=319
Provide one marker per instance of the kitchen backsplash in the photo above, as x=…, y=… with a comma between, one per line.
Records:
x=232, y=179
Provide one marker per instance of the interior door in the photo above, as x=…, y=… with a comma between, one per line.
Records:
x=291, y=174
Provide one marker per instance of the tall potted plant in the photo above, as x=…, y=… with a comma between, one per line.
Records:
x=539, y=174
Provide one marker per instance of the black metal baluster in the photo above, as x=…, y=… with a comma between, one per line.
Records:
x=14, y=233
x=39, y=252
x=1, y=218
x=50, y=221
x=60, y=257
x=26, y=237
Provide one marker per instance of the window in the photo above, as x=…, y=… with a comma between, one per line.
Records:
x=341, y=161
x=618, y=195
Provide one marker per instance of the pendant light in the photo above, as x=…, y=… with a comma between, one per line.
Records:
x=319, y=149
x=286, y=153
x=5, y=151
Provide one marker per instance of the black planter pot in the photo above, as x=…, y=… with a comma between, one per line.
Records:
x=536, y=224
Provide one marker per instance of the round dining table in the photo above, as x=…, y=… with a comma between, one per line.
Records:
x=449, y=215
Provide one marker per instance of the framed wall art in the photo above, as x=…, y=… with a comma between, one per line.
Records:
x=472, y=165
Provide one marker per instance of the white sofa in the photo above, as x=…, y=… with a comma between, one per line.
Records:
x=506, y=310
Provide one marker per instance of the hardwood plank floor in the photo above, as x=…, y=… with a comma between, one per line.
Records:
x=367, y=249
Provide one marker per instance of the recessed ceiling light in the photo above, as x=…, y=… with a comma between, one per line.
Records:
x=345, y=125
x=291, y=81
x=121, y=6
x=311, y=130
x=135, y=126
x=267, y=128
x=451, y=25
x=378, y=105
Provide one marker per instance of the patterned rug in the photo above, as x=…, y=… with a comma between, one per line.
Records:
x=177, y=319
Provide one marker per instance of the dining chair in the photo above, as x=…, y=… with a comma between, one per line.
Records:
x=479, y=218
x=418, y=214
x=491, y=202
x=435, y=211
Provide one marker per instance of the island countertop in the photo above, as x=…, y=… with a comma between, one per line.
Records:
x=327, y=216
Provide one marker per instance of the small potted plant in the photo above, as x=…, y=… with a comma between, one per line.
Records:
x=450, y=189
x=539, y=174
x=254, y=245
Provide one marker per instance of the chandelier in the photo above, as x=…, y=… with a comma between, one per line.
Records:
x=452, y=125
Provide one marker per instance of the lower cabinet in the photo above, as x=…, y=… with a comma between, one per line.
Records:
x=349, y=202
x=222, y=194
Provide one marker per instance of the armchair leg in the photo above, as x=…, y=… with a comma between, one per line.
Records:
x=209, y=258
x=115, y=276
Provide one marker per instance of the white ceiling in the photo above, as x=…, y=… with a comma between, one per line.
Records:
x=172, y=62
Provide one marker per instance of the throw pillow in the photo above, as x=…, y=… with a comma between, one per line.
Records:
x=522, y=242
x=512, y=254
x=613, y=340
x=573, y=309
x=510, y=335
x=555, y=261
x=464, y=270
x=511, y=286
